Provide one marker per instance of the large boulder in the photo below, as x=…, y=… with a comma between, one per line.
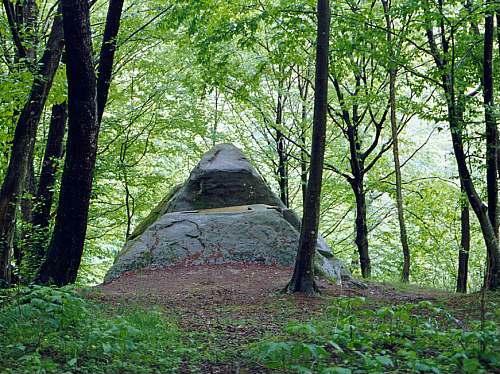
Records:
x=223, y=213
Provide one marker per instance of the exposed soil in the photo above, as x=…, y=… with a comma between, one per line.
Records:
x=232, y=305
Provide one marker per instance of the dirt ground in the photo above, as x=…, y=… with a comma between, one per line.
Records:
x=232, y=305
x=209, y=287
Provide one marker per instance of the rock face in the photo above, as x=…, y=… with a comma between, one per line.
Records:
x=223, y=213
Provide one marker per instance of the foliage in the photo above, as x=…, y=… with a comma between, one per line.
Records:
x=48, y=330
x=351, y=337
x=191, y=73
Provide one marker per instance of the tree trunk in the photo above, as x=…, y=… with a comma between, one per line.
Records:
x=303, y=275
x=280, y=147
x=23, y=144
x=405, y=273
x=361, y=239
x=456, y=122
x=491, y=123
x=498, y=42
x=492, y=278
x=303, y=169
x=463, y=254
x=107, y=55
x=66, y=247
x=45, y=192
x=303, y=139
x=87, y=97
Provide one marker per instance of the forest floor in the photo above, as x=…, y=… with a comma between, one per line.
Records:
x=224, y=308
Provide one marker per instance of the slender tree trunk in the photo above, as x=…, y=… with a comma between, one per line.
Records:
x=280, y=147
x=361, y=239
x=491, y=123
x=303, y=169
x=66, y=247
x=498, y=135
x=481, y=211
x=357, y=185
x=107, y=55
x=463, y=254
x=23, y=144
x=456, y=122
x=45, y=192
x=405, y=273
x=303, y=139
x=303, y=275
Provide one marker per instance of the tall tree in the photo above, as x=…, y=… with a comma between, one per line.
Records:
x=405, y=273
x=490, y=120
x=303, y=275
x=87, y=98
x=66, y=247
x=24, y=141
x=444, y=57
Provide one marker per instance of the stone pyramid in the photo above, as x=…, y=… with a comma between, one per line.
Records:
x=223, y=213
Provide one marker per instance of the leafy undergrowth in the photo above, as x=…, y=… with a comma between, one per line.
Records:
x=352, y=337
x=48, y=330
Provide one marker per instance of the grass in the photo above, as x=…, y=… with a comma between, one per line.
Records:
x=48, y=330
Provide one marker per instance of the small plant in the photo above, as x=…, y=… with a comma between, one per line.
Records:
x=409, y=338
x=49, y=330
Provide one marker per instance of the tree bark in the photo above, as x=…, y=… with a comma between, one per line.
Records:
x=303, y=88
x=361, y=239
x=303, y=275
x=107, y=55
x=280, y=148
x=405, y=273
x=66, y=246
x=87, y=97
x=23, y=144
x=456, y=122
x=463, y=254
x=491, y=123
x=44, y=197
x=492, y=278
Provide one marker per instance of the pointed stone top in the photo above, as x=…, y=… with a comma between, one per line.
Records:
x=224, y=177
x=225, y=157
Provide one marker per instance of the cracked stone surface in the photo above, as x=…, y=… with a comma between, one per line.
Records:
x=253, y=236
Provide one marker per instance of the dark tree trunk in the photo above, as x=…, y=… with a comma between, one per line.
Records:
x=53, y=153
x=463, y=254
x=498, y=135
x=303, y=169
x=492, y=278
x=303, y=88
x=491, y=123
x=280, y=148
x=23, y=144
x=361, y=239
x=303, y=275
x=66, y=247
x=87, y=97
x=44, y=197
x=107, y=55
x=456, y=122
x=357, y=185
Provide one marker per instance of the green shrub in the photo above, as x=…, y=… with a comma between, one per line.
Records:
x=50, y=330
x=405, y=338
